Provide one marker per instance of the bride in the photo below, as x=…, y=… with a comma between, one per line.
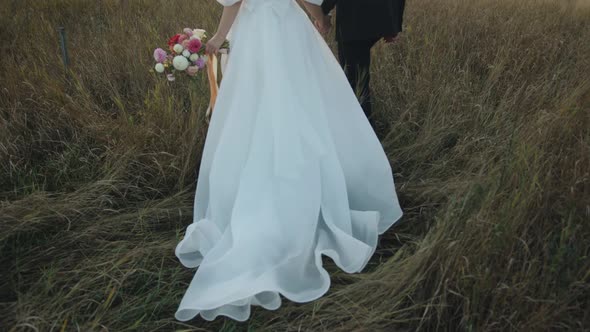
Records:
x=291, y=170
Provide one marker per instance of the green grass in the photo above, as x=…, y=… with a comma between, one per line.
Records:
x=483, y=111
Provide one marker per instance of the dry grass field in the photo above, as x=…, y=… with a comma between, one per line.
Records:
x=483, y=110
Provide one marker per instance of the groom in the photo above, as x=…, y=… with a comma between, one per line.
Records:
x=359, y=25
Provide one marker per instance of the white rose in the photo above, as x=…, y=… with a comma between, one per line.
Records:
x=186, y=53
x=194, y=57
x=178, y=48
x=200, y=33
x=159, y=68
x=180, y=63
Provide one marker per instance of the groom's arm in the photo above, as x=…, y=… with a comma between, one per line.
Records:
x=328, y=5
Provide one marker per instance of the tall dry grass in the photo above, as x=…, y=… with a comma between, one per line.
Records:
x=483, y=112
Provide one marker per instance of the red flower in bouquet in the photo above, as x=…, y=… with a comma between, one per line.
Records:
x=173, y=41
x=194, y=45
x=186, y=56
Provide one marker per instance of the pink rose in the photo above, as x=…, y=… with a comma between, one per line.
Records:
x=182, y=38
x=194, y=45
x=185, y=43
x=192, y=70
x=188, y=32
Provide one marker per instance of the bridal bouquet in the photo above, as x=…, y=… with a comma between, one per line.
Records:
x=187, y=54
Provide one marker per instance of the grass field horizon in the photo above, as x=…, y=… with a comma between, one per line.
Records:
x=483, y=111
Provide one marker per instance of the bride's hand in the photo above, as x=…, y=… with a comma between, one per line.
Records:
x=324, y=24
x=214, y=44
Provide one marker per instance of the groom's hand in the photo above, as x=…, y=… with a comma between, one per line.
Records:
x=393, y=39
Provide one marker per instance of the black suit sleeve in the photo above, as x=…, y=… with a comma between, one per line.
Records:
x=399, y=7
x=328, y=5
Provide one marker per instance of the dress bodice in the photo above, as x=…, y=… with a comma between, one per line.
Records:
x=279, y=6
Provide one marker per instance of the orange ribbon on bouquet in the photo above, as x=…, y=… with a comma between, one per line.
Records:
x=213, y=80
x=213, y=86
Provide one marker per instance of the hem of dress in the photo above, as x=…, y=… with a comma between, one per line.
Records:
x=201, y=236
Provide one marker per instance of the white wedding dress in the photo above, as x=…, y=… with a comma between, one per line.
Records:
x=291, y=170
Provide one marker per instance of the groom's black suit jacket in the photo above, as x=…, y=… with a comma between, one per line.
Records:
x=366, y=19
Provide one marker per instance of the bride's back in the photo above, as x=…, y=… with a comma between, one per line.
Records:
x=278, y=7
x=278, y=4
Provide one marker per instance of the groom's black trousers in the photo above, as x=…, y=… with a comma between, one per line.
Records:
x=355, y=59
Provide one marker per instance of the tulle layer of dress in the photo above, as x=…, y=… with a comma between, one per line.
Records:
x=291, y=170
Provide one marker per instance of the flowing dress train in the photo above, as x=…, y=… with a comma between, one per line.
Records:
x=291, y=170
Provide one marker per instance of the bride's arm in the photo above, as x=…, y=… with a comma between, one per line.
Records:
x=227, y=20
x=314, y=10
